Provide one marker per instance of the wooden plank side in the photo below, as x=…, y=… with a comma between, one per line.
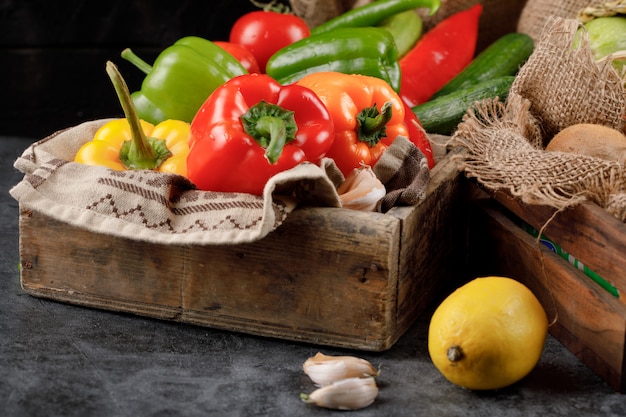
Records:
x=586, y=231
x=433, y=243
x=72, y=263
x=325, y=274
x=586, y=319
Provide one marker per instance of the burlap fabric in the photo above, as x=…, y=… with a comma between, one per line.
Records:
x=557, y=87
x=498, y=17
x=162, y=208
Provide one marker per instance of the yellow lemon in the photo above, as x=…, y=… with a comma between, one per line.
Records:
x=488, y=334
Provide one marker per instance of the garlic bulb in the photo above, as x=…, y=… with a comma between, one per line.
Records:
x=361, y=190
x=324, y=369
x=346, y=394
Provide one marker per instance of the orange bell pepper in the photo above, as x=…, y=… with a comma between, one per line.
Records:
x=368, y=116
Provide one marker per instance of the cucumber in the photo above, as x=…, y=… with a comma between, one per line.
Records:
x=503, y=57
x=443, y=114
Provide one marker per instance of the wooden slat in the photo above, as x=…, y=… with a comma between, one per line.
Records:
x=323, y=276
x=321, y=273
x=432, y=261
x=586, y=231
x=586, y=319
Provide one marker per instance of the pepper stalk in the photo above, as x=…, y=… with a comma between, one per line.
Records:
x=140, y=152
x=134, y=59
x=271, y=126
x=372, y=123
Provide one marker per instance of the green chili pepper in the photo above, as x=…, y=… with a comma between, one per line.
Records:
x=362, y=50
x=181, y=79
x=373, y=13
x=406, y=28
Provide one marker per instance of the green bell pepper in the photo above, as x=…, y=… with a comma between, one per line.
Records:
x=360, y=50
x=181, y=79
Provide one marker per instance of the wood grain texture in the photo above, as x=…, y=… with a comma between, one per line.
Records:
x=585, y=318
x=586, y=231
x=433, y=260
x=303, y=279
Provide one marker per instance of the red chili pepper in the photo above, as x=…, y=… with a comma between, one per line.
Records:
x=250, y=129
x=439, y=55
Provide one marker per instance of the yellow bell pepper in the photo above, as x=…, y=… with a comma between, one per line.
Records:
x=104, y=148
x=130, y=143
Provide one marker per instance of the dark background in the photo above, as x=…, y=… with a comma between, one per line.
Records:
x=53, y=53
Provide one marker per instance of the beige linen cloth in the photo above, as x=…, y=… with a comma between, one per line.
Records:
x=164, y=208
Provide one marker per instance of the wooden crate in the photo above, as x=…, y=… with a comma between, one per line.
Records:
x=587, y=319
x=327, y=276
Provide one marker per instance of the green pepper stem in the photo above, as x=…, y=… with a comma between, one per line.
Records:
x=274, y=128
x=271, y=126
x=131, y=57
x=139, y=152
x=373, y=123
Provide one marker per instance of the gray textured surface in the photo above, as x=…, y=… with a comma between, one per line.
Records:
x=63, y=360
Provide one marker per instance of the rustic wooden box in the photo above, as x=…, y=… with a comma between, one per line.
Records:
x=587, y=319
x=327, y=276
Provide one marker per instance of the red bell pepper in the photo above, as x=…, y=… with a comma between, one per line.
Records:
x=250, y=129
x=418, y=136
x=241, y=54
x=439, y=56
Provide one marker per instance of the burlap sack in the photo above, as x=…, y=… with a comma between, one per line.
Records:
x=498, y=17
x=163, y=208
x=557, y=87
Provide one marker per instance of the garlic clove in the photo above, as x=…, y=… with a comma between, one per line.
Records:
x=346, y=394
x=361, y=190
x=325, y=369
